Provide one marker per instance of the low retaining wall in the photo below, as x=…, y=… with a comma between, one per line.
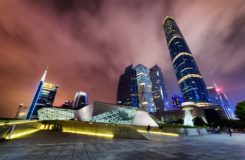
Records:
x=4, y=130
x=118, y=131
x=13, y=129
x=179, y=131
x=193, y=131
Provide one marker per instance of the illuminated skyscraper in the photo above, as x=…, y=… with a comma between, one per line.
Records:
x=32, y=109
x=144, y=89
x=217, y=97
x=127, y=91
x=47, y=95
x=192, y=85
x=44, y=97
x=159, y=92
x=80, y=100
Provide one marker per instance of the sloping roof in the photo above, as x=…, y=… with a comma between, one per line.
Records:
x=110, y=113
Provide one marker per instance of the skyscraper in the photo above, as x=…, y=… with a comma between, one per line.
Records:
x=159, y=92
x=47, y=95
x=127, y=91
x=32, y=109
x=44, y=97
x=192, y=85
x=144, y=89
x=217, y=97
x=80, y=100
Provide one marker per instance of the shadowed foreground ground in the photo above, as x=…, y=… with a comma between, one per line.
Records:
x=54, y=145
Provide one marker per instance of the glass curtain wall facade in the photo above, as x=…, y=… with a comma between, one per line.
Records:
x=218, y=98
x=47, y=95
x=44, y=97
x=53, y=113
x=159, y=92
x=192, y=85
x=127, y=91
x=116, y=116
x=32, y=110
x=144, y=89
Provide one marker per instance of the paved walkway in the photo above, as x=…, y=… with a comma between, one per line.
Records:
x=54, y=145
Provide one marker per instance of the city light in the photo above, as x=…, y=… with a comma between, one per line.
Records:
x=18, y=135
x=107, y=135
x=202, y=104
x=160, y=133
x=189, y=76
x=218, y=90
x=181, y=54
x=173, y=39
x=14, y=123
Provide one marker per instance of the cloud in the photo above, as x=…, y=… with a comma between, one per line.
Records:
x=88, y=44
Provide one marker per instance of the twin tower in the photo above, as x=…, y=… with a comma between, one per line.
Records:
x=190, y=80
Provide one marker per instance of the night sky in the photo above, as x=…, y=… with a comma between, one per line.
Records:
x=88, y=44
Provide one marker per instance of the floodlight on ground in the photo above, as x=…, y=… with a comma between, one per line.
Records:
x=159, y=133
x=24, y=133
x=107, y=135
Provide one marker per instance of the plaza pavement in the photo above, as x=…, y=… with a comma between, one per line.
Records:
x=53, y=145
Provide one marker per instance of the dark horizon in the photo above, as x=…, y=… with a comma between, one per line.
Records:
x=88, y=44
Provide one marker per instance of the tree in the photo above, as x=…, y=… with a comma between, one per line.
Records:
x=180, y=121
x=240, y=110
x=224, y=123
x=198, y=121
x=211, y=116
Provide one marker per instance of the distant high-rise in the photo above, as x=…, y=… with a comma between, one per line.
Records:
x=192, y=85
x=159, y=92
x=80, y=100
x=67, y=104
x=217, y=97
x=127, y=91
x=44, y=96
x=144, y=89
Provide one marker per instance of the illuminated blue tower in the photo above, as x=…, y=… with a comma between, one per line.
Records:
x=159, y=91
x=32, y=111
x=144, y=89
x=127, y=91
x=217, y=97
x=192, y=85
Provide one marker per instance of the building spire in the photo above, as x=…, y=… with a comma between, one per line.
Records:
x=44, y=74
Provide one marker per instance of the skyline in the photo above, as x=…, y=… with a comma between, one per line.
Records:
x=79, y=38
